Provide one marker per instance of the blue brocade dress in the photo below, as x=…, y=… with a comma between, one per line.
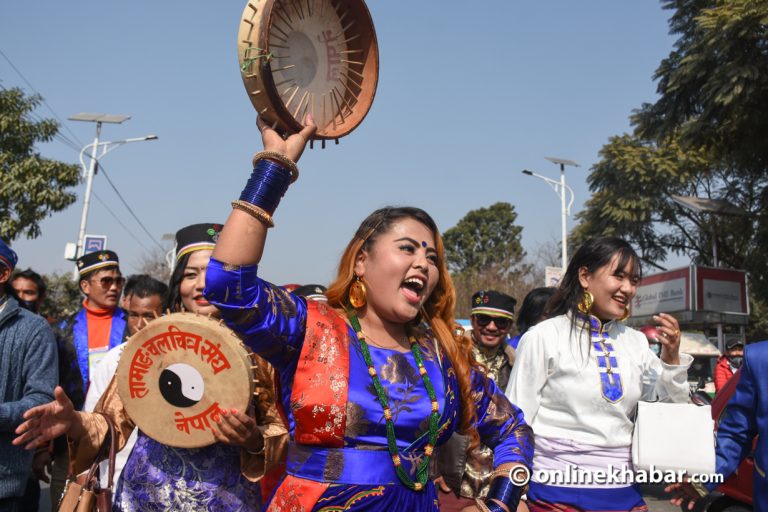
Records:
x=272, y=323
x=157, y=477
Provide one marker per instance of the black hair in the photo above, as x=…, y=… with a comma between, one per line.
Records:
x=143, y=285
x=533, y=308
x=382, y=219
x=173, y=295
x=34, y=277
x=593, y=254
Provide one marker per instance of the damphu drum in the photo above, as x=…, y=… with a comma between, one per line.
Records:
x=178, y=373
x=309, y=56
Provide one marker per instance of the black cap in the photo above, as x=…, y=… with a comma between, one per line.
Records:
x=197, y=237
x=733, y=344
x=311, y=291
x=98, y=260
x=493, y=303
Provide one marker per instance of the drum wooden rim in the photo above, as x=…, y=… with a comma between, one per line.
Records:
x=360, y=74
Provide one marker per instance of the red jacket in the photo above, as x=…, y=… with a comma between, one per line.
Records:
x=723, y=372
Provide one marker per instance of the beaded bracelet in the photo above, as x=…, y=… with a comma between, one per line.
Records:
x=254, y=211
x=278, y=157
x=266, y=186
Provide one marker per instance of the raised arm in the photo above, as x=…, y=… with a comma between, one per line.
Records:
x=242, y=240
x=665, y=378
x=269, y=320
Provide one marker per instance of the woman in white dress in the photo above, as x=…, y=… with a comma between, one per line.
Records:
x=579, y=375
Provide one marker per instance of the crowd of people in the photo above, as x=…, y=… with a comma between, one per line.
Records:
x=371, y=397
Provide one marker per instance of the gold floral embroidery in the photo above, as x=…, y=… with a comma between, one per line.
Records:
x=357, y=423
x=398, y=370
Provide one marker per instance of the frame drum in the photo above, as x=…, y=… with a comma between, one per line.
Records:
x=177, y=374
x=309, y=56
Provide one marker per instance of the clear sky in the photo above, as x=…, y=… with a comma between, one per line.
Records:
x=469, y=94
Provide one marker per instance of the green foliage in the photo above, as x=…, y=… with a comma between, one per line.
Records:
x=713, y=87
x=33, y=187
x=63, y=297
x=485, y=238
x=484, y=252
x=704, y=136
x=758, y=321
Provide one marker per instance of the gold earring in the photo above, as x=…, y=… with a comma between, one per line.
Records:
x=626, y=314
x=585, y=304
x=357, y=297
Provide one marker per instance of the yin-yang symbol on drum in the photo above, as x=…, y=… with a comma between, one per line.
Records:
x=181, y=385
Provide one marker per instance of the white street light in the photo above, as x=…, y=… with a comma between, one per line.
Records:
x=90, y=171
x=560, y=189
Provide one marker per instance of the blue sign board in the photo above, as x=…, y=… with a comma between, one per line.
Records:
x=94, y=243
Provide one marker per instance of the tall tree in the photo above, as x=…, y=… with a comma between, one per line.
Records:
x=713, y=87
x=32, y=187
x=485, y=238
x=704, y=136
x=484, y=251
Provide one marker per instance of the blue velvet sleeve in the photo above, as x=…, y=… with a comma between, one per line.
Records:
x=500, y=424
x=738, y=425
x=270, y=320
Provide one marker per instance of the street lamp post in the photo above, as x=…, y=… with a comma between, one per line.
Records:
x=90, y=171
x=712, y=207
x=560, y=189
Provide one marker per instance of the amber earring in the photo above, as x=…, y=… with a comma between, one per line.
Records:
x=585, y=304
x=357, y=293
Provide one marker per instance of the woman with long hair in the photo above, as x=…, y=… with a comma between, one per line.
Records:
x=157, y=477
x=375, y=379
x=531, y=312
x=579, y=375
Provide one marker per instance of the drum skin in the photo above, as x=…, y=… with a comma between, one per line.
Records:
x=177, y=374
x=309, y=56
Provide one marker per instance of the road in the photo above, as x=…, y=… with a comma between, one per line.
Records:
x=657, y=499
x=654, y=497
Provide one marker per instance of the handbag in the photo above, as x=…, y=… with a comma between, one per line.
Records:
x=674, y=437
x=451, y=459
x=83, y=493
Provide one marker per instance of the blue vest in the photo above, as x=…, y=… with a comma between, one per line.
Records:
x=80, y=338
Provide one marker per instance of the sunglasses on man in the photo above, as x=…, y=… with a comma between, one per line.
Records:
x=500, y=321
x=107, y=282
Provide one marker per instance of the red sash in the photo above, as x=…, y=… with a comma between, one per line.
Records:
x=318, y=400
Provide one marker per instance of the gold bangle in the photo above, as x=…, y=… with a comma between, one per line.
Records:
x=500, y=472
x=481, y=505
x=281, y=158
x=254, y=211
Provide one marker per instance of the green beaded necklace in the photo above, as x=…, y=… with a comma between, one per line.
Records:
x=422, y=472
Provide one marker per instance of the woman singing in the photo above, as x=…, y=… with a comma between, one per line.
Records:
x=374, y=379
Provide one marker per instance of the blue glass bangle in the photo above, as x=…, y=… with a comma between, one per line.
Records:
x=493, y=507
x=505, y=491
x=267, y=185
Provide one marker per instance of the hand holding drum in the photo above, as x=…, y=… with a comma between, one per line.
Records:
x=311, y=57
x=181, y=376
